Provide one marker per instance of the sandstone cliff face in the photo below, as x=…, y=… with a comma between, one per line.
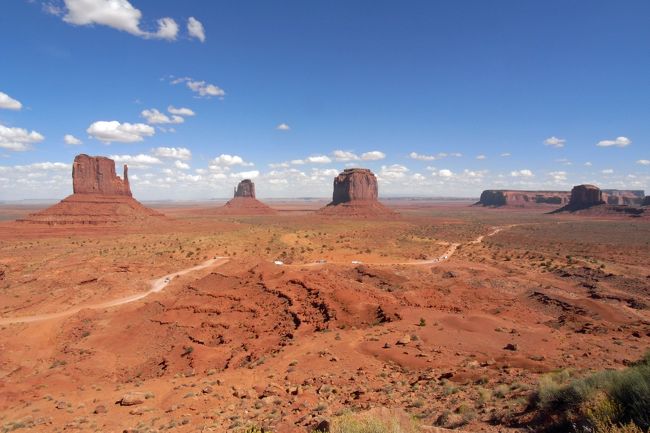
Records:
x=246, y=188
x=355, y=184
x=355, y=196
x=96, y=175
x=584, y=196
x=623, y=197
x=499, y=197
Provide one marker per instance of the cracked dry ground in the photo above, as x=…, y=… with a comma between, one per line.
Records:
x=460, y=344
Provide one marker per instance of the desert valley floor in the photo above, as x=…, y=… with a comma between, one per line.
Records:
x=450, y=312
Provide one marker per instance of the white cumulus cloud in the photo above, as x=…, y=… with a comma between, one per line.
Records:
x=140, y=160
x=195, y=29
x=182, y=111
x=182, y=153
x=521, y=173
x=71, y=140
x=318, y=159
x=181, y=165
x=245, y=174
x=154, y=116
x=343, y=155
x=373, y=155
x=555, y=142
x=110, y=131
x=283, y=127
x=225, y=160
x=202, y=88
x=394, y=171
x=617, y=142
x=118, y=14
x=9, y=103
x=421, y=157
x=18, y=139
x=643, y=161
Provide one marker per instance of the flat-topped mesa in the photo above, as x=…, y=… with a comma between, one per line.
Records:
x=504, y=197
x=96, y=175
x=355, y=184
x=584, y=196
x=245, y=188
x=633, y=197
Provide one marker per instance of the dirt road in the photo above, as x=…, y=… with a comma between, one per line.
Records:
x=156, y=286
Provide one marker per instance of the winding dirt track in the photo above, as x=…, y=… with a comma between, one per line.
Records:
x=445, y=256
x=159, y=284
x=156, y=285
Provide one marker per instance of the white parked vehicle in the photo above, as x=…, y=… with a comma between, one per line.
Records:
x=279, y=262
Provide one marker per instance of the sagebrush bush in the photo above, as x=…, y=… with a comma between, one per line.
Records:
x=604, y=402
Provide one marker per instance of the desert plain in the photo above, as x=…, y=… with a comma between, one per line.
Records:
x=200, y=321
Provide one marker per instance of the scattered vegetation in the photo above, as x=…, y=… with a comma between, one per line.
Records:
x=371, y=423
x=604, y=402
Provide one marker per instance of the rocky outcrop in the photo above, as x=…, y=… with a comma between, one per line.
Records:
x=646, y=201
x=100, y=197
x=356, y=195
x=244, y=202
x=623, y=197
x=584, y=196
x=502, y=197
x=355, y=184
x=96, y=175
x=245, y=188
x=589, y=200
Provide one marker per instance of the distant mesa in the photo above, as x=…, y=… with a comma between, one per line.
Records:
x=244, y=202
x=623, y=197
x=520, y=198
x=515, y=198
x=356, y=195
x=592, y=201
x=99, y=197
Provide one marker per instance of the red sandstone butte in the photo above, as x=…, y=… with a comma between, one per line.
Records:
x=245, y=188
x=244, y=202
x=100, y=197
x=355, y=195
x=96, y=175
x=584, y=196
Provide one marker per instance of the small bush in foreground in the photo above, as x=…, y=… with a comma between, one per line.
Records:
x=378, y=420
x=604, y=402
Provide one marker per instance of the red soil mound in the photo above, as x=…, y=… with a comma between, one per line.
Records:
x=236, y=318
x=358, y=209
x=244, y=206
x=95, y=209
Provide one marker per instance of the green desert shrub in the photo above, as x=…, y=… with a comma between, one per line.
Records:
x=378, y=422
x=604, y=402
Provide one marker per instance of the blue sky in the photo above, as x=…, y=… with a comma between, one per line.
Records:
x=439, y=98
